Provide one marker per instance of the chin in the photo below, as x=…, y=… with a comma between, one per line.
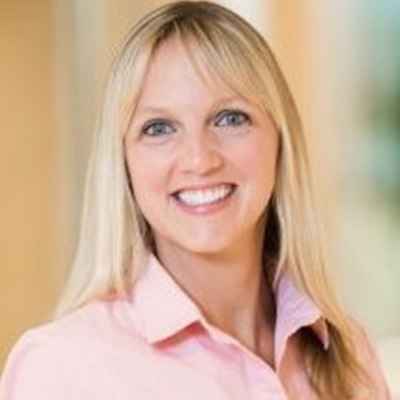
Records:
x=211, y=247
x=197, y=243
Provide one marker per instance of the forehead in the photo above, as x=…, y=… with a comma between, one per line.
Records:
x=175, y=70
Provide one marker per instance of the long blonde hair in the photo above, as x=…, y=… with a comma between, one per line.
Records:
x=114, y=238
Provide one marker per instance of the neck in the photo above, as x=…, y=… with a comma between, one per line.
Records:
x=229, y=287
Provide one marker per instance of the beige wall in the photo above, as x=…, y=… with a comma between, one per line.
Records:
x=28, y=280
x=54, y=58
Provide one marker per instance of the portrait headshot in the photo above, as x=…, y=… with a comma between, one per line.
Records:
x=201, y=264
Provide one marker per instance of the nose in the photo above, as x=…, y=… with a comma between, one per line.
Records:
x=200, y=154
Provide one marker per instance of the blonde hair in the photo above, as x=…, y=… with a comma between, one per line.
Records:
x=114, y=238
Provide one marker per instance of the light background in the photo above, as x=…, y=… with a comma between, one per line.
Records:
x=342, y=60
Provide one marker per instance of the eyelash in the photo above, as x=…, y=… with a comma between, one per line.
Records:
x=244, y=118
x=155, y=123
x=237, y=113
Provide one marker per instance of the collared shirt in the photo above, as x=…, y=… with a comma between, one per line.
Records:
x=157, y=345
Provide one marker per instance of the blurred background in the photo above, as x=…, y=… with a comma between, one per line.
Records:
x=342, y=61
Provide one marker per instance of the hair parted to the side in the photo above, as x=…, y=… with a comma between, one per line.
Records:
x=115, y=239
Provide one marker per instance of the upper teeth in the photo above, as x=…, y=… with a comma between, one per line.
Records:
x=200, y=197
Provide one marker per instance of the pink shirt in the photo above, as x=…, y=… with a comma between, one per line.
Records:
x=157, y=345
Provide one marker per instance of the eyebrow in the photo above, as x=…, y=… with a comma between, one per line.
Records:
x=217, y=104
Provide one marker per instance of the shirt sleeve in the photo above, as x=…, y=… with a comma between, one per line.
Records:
x=39, y=367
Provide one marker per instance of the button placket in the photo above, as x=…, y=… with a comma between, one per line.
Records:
x=262, y=379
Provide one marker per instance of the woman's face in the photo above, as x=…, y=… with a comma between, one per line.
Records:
x=200, y=157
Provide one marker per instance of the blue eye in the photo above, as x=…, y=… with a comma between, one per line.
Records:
x=157, y=128
x=232, y=118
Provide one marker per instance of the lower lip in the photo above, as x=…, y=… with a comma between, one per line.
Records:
x=205, y=209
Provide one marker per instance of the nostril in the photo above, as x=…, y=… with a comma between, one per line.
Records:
x=201, y=161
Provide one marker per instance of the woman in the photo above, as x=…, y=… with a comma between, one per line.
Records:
x=199, y=272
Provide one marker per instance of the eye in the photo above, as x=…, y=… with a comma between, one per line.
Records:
x=157, y=128
x=231, y=118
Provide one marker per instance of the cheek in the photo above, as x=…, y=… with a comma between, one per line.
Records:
x=148, y=174
x=257, y=161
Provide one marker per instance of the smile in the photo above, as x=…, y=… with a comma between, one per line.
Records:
x=201, y=197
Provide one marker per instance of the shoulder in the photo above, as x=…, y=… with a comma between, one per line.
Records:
x=40, y=362
x=59, y=359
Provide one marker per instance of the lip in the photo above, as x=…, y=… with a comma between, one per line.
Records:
x=204, y=209
x=204, y=187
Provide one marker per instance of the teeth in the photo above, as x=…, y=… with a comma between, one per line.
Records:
x=201, y=197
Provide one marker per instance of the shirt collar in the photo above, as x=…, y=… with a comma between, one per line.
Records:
x=161, y=305
x=164, y=308
x=295, y=310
